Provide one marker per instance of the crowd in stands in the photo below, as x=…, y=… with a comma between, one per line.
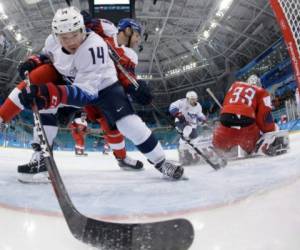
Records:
x=282, y=94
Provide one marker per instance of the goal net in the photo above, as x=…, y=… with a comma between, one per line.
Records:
x=287, y=13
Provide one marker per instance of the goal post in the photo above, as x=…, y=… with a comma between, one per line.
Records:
x=287, y=13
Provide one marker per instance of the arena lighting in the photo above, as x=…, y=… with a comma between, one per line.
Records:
x=10, y=27
x=3, y=17
x=1, y=8
x=213, y=24
x=18, y=37
x=225, y=4
x=32, y=1
x=206, y=34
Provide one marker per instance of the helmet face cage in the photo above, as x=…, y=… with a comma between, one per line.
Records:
x=67, y=20
x=254, y=80
x=128, y=22
x=192, y=97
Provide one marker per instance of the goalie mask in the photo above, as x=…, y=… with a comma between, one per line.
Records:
x=192, y=98
x=254, y=80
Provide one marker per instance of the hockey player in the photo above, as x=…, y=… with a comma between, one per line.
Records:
x=83, y=56
x=62, y=116
x=117, y=38
x=122, y=40
x=79, y=129
x=35, y=170
x=188, y=115
x=246, y=113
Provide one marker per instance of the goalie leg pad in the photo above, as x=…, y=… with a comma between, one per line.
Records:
x=273, y=143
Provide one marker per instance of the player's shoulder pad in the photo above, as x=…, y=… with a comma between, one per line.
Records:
x=50, y=41
x=131, y=54
x=93, y=40
x=109, y=29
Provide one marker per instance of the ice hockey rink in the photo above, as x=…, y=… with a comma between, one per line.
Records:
x=252, y=204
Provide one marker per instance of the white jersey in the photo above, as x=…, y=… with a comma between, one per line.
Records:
x=192, y=114
x=90, y=68
x=109, y=29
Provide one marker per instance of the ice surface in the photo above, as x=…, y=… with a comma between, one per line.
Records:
x=251, y=204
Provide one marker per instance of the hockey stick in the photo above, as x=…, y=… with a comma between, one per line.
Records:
x=215, y=166
x=170, y=234
x=116, y=58
x=214, y=97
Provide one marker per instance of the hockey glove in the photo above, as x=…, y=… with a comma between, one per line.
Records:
x=142, y=95
x=180, y=117
x=31, y=63
x=46, y=96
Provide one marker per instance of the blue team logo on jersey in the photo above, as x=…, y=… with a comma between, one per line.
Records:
x=73, y=72
x=192, y=116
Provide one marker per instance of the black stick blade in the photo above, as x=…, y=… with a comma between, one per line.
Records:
x=177, y=234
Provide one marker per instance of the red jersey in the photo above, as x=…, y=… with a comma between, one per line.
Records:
x=78, y=126
x=251, y=101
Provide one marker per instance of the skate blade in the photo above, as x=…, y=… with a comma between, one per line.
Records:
x=132, y=169
x=182, y=178
x=39, y=178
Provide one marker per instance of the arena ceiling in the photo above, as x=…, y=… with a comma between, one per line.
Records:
x=191, y=44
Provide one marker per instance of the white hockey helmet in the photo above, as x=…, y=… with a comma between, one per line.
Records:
x=67, y=20
x=254, y=80
x=192, y=97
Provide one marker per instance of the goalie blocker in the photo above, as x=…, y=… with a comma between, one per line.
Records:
x=273, y=143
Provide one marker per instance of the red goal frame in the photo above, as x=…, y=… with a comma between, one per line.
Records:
x=289, y=37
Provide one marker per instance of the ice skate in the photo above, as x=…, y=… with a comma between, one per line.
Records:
x=130, y=164
x=170, y=169
x=35, y=171
x=80, y=152
x=213, y=157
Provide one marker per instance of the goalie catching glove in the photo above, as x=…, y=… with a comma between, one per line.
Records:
x=46, y=96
